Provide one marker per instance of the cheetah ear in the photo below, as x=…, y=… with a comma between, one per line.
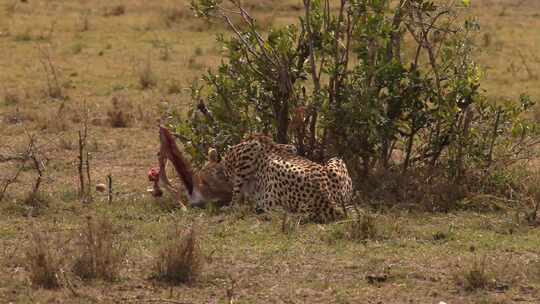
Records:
x=212, y=155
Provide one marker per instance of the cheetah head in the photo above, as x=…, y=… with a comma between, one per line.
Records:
x=211, y=183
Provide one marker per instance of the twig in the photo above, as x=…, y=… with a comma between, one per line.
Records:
x=80, y=167
x=110, y=194
x=88, y=178
x=39, y=170
x=10, y=181
x=494, y=137
x=29, y=154
x=85, y=193
x=89, y=189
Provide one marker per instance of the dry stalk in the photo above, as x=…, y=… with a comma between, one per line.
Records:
x=54, y=89
x=85, y=187
x=80, y=167
x=109, y=184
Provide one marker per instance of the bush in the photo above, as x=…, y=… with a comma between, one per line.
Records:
x=99, y=255
x=180, y=260
x=414, y=90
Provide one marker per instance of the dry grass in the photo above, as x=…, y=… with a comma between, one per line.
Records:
x=11, y=98
x=116, y=10
x=290, y=223
x=363, y=227
x=44, y=261
x=476, y=276
x=83, y=23
x=175, y=14
x=99, y=254
x=180, y=260
x=119, y=115
x=147, y=77
x=174, y=87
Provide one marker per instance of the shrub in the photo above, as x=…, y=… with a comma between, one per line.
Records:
x=180, y=260
x=44, y=261
x=411, y=91
x=99, y=255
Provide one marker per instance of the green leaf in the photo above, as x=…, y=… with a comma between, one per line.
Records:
x=466, y=2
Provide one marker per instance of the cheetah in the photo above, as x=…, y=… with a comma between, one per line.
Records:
x=267, y=174
x=271, y=177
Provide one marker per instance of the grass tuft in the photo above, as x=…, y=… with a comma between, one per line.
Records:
x=118, y=115
x=363, y=228
x=11, y=98
x=117, y=10
x=174, y=87
x=174, y=14
x=180, y=260
x=99, y=255
x=44, y=261
x=77, y=48
x=290, y=223
x=83, y=23
x=23, y=36
x=147, y=78
x=476, y=277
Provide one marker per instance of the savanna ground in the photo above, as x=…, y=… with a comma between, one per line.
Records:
x=143, y=54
